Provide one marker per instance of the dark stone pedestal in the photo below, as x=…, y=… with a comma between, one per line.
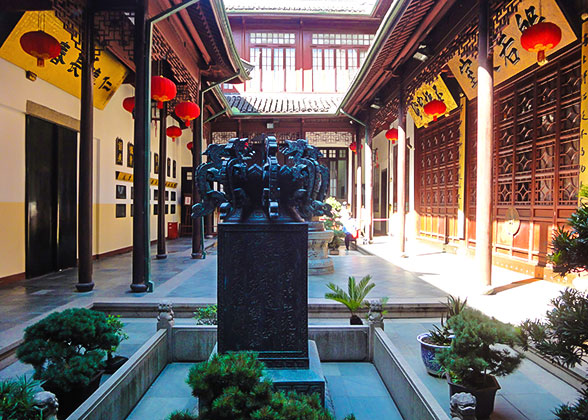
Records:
x=263, y=291
x=303, y=381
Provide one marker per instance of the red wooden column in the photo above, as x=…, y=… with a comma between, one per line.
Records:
x=484, y=151
x=401, y=173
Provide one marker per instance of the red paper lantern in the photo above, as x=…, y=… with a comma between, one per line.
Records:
x=40, y=45
x=190, y=145
x=353, y=147
x=174, y=132
x=435, y=108
x=129, y=104
x=162, y=90
x=392, y=135
x=541, y=37
x=187, y=111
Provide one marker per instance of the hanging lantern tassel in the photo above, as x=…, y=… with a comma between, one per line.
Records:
x=435, y=108
x=162, y=90
x=540, y=38
x=174, y=132
x=187, y=111
x=392, y=135
x=40, y=45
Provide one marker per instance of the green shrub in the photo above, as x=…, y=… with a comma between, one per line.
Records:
x=17, y=399
x=67, y=348
x=570, y=247
x=230, y=388
x=478, y=349
x=206, y=315
x=563, y=337
x=182, y=415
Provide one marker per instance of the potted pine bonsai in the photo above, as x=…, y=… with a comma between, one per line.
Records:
x=563, y=338
x=67, y=351
x=480, y=350
x=354, y=298
x=439, y=338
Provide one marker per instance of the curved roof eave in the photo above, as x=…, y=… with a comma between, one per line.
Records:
x=222, y=20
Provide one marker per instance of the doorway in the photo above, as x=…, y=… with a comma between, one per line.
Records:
x=50, y=197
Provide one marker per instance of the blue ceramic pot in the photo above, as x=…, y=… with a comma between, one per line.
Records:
x=428, y=353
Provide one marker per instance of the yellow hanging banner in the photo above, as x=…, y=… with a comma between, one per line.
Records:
x=510, y=58
x=425, y=94
x=65, y=70
x=462, y=169
x=583, y=195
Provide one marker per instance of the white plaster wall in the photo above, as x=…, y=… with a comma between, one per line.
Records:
x=110, y=233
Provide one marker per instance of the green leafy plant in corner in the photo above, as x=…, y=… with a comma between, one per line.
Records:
x=441, y=335
x=563, y=338
x=206, y=315
x=481, y=346
x=117, y=327
x=355, y=296
x=17, y=399
x=230, y=388
x=67, y=348
x=182, y=415
x=570, y=246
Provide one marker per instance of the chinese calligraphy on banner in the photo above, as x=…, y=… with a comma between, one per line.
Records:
x=462, y=167
x=584, y=122
x=510, y=58
x=65, y=70
x=425, y=94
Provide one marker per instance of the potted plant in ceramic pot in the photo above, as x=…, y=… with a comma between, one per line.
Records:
x=354, y=298
x=439, y=338
x=67, y=351
x=113, y=363
x=480, y=350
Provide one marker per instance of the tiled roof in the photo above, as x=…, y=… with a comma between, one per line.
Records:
x=301, y=6
x=283, y=103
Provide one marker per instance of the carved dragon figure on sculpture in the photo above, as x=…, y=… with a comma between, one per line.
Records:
x=295, y=190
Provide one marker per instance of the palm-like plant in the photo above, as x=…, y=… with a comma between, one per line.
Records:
x=354, y=298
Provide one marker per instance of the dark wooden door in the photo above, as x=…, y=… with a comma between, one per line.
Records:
x=51, y=189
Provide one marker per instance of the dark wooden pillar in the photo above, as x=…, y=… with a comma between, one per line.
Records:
x=358, y=177
x=141, y=241
x=161, y=251
x=484, y=151
x=85, y=283
x=197, y=245
x=401, y=173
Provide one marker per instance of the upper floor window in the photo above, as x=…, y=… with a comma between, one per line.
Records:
x=342, y=39
x=274, y=61
x=334, y=68
x=336, y=58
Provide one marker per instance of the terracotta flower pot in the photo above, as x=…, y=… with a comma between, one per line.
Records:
x=429, y=353
x=484, y=396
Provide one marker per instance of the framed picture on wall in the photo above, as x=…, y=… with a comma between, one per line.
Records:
x=132, y=210
x=173, y=196
x=155, y=194
x=121, y=191
x=174, y=169
x=156, y=163
x=166, y=209
x=173, y=209
x=167, y=195
x=155, y=208
x=132, y=193
x=121, y=210
x=168, y=167
x=119, y=151
x=130, y=154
